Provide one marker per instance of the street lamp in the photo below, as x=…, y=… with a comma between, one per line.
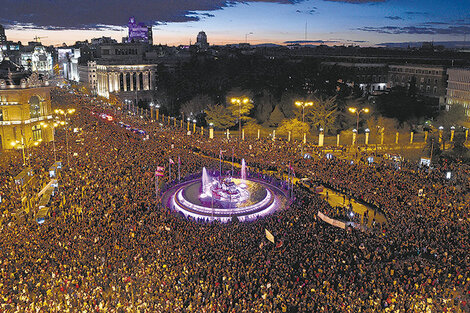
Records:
x=358, y=112
x=65, y=113
x=240, y=101
x=23, y=146
x=303, y=104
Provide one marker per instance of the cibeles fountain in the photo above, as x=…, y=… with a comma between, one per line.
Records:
x=219, y=197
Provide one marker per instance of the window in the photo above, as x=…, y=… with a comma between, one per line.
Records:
x=37, y=134
x=34, y=107
x=1, y=115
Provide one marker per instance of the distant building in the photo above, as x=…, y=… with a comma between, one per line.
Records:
x=201, y=41
x=120, y=53
x=102, y=40
x=87, y=75
x=38, y=60
x=458, y=88
x=25, y=107
x=68, y=62
x=3, y=37
x=129, y=81
x=370, y=77
x=430, y=80
x=138, y=32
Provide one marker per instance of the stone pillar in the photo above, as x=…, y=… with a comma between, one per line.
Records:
x=124, y=81
x=425, y=136
x=396, y=138
x=152, y=113
x=181, y=124
x=466, y=135
x=305, y=138
x=211, y=133
x=243, y=134
x=411, y=137
x=258, y=133
x=367, y=139
x=194, y=127
x=228, y=134
x=321, y=138
x=131, y=81
x=382, y=137
x=288, y=136
x=440, y=135
x=151, y=80
x=452, y=132
x=274, y=135
x=202, y=131
x=174, y=122
x=337, y=139
x=354, y=138
x=145, y=77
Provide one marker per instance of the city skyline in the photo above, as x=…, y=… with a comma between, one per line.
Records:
x=357, y=22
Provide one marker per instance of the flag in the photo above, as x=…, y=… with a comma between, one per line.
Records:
x=171, y=161
x=269, y=236
x=159, y=171
x=179, y=160
x=279, y=244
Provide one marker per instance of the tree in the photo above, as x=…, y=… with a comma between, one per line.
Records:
x=276, y=117
x=196, y=105
x=455, y=116
x=220, y=116
x=322, y=114
x=240, y=107
x=296, y=127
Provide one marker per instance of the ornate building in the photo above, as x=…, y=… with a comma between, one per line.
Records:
x=25, y=107
x=134, y=82
x=38, y=60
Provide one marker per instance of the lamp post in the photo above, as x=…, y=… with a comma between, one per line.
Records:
x=65, y=113
x=358, y=112
x=240, y=101
x=25, y=145
x=303, y=104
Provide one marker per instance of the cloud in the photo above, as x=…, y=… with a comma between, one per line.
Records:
x=311, y=11
x=394, y=18
x=422, y=30
x=357, y=1
x=416, y=13
x=309, y=41
x=72, y=14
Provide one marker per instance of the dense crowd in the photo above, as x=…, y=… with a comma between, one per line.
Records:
x=111, y=246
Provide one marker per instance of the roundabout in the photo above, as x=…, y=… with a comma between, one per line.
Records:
x=223, y=198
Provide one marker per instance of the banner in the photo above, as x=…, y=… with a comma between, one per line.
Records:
x=331, y=221
x=269, y=236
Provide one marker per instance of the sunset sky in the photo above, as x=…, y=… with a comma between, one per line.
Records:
x=359, y=22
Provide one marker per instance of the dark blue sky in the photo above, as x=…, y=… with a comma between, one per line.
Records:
x=178, y=22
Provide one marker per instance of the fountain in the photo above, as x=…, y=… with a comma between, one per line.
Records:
x=222, y=198
x=243, y=173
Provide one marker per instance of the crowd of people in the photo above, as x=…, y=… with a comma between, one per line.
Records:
x=110, y=245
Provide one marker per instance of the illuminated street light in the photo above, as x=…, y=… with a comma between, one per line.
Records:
x=358, y=112
x=303, y=104
x=65, y=113
x=240, y=101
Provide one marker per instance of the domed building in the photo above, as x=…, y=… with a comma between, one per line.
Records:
x=25, y=107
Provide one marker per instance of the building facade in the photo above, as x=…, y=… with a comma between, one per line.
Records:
x=133, y=82
x=25, y=111
x=458, y=88
x=87, y=75
x=429, y=80
x=38, y=60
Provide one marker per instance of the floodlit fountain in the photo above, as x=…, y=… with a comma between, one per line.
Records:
x=222, y=198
